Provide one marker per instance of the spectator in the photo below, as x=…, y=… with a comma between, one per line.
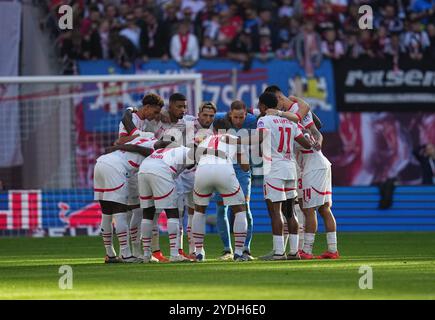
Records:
x=332, y=47
x=250, y=19
x=241, y=49
x=308, y=48
x=227, y=32
x=353, y=47
x=394, y=49
x=382, y=41
x=422, y=10
x=416, y=41
x=184, y=46
x=195, y=6
x=426, y=156
x=266, y=52
x=265, y=25
x=204, y=17
x=284, y=52
x=208, y=50
x=221, y=6
x=212, y=27
x=154, y=39
x=98, y=46
x=131, y=31
x=431, y=34
x=170, y=19
x=367, y=44
x=286, y=10
x=92, y=19
x=390, y=20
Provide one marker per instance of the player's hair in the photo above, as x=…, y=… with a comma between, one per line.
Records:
x=269, y=100
x=273, y=89
x=238, y=105
x=207, y=105
x=177, y=97
x=152, y=99
x=221, y=124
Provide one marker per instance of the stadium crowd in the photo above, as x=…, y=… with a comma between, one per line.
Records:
x=132, y=31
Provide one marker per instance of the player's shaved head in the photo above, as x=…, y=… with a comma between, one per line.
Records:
x=273, y=89
x=177, y=97
x=237, y=105
x=268, y=100
x=177, y=106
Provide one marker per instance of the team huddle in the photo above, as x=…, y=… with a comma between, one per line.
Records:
x=165, y=160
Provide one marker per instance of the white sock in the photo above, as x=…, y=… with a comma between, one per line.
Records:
x=155, y=241
x=240, y=229
x=180, y=231
x=147, y=233
x=135, y=222
x=198, y=230
x=301, y=240
x=107, y=231
x=294, y=242
x=189, y=234
x=309, y=242
x=331, y=239
x=173, y=229
x=121, y=226
x=278, y=244
x=285, y=235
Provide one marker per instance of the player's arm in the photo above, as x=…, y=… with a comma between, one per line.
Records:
x=127, y=121
x=131, y=148
x=303, y=141
x=318, y=137
x=317, y=121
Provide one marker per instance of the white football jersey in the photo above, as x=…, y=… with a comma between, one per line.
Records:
x=306, y=121
x=178, y=129
x=214, y=142
x=171, y=159
x=128, y=160
x=310, y=160
x=142, y=125
x=279, y=152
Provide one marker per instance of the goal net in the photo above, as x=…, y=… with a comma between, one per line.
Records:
x=52, y=129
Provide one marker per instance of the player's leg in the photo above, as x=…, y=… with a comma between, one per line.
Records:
x=121, y=225
x=202, y=191
x=165, y=196
x=223, y=228
x=331, y=232
x=134, y=229
x=107, y=232
x=301, y=220
x=245, y=183
x=232, y=194
x=173, y=233
x=190, y=212
x=310, y=233
x=293, y=228
x=148, y=215
x=275, y=195
x=198, y=230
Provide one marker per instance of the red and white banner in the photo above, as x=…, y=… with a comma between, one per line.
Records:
x=24, y=211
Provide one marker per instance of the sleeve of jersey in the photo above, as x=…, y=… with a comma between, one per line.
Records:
x=122, y=132
x=298, y=133
x=307, y=121
x=261, y=124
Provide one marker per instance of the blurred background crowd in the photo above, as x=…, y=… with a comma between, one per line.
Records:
x=131, y=31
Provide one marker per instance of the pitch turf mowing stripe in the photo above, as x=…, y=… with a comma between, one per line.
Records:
x=403, y=268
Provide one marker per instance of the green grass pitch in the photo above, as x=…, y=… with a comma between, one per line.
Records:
x=403, y=267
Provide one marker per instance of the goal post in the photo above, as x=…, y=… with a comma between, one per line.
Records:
x=52, y=129
x=52, y=126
